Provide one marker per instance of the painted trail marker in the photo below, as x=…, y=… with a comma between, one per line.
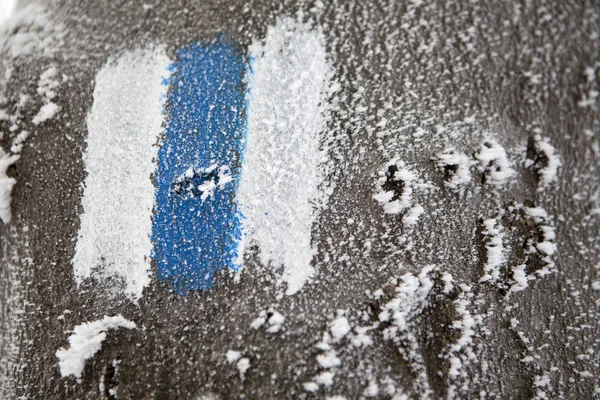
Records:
x=237, y=161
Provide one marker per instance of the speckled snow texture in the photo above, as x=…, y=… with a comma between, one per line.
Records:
x=124, y=123
x=85, y=341
x=279, y=191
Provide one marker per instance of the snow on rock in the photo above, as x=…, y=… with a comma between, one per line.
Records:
x=275, y=321
x=495, y=251
x=461, y=353
x=18, y=141
x=48, y=111
x=409, y=302
x=412, y=216
x=85, y=341
x=260, y=321
x=339, y=328
x=47, y=86
x=448, y=283
x=394, y=187
x=6, y=184
x=113, y=243
x=546, y=245
x=329, y=360
x=361, y=339
x=456, y=166
x=204, y=181
x=287, y=117
x=232, y=356
x=48, y=83
x=243, y=365
x=548, y=173
x=520, y=278
x=372, y=390
x=325, y=378
x=310, y=387
x=494, y=163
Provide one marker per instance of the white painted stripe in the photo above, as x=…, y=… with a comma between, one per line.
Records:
x=279, y=189
x=113, y=245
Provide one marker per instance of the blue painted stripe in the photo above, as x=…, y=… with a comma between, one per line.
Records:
x=196, y=223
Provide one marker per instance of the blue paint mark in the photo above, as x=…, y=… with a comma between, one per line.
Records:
x=196, y=223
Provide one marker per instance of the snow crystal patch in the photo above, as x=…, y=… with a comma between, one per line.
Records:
x=461, y=353
x=203, y=182
x=47, y=90
x=114, y=238
x=48, y=83
x=85, y=341
x=394, y=187
x=456, y=166
x=275, y=322
x=520, y=278
x=339, y=328
x=329, y=360
x=546, y=245
x=310, y=387
x=325, y=378
x=288, y=111
x=372, y=390
x=495, y=251
x=48, y=111
x=232, y=356
x=409, y=300
x=494, y=163
x=243, y=365
x=412, y=216
x=448, y=283
x=548, y=174
x=6, y=184
x=18, y=141
x=408, y=303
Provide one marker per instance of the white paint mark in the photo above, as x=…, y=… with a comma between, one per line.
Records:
x=86, y=341
x=123, y=126
x=279, y=189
